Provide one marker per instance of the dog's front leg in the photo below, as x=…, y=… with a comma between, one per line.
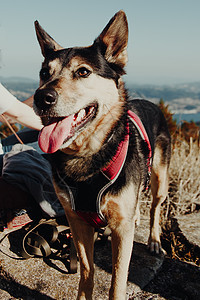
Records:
x=121, y=216
x=122, y=243
x=83, y=236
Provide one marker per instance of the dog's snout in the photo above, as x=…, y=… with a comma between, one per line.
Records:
x=45, y=98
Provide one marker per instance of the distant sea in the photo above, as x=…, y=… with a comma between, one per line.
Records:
x=187, y=117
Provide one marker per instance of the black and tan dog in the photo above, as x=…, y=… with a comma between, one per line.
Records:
x=104, y=146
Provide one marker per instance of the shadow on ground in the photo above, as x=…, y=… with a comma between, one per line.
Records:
x=157, y=277
x=19, y=291
x=174, y=280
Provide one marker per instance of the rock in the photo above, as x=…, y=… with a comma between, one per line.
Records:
x=176, y=280
x=142, y=231
x=190, y=227
x=180, y=238
x=144, y=266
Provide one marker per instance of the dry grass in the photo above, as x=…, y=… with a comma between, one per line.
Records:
x=184, y=187
x=183, y=198
x=184, y=182
x=177, y=245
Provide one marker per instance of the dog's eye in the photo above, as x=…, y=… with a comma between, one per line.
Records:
x=83, y=72
x=44, y=74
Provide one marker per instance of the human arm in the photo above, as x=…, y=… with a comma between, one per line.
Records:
x=29, y=101
x=17, y=111
x=24, y=114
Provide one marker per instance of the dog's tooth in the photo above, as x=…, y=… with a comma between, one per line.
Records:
x=78, y=119
x=91, y=109
x=81, y=115
x=74, y=120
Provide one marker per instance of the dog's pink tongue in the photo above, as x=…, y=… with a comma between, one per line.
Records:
x=52, y=136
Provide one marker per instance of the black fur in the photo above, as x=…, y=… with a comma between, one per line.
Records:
x=92, y=55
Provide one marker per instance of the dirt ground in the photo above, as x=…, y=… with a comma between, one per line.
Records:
x=175, y=280
x=157, y=278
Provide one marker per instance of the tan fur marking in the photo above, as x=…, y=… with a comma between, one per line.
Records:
x=63, y=197
x=119, y=212
x=114, y=212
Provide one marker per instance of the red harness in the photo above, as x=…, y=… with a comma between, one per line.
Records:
x=112, y=171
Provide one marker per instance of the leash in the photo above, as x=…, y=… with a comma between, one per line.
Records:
x=12, y=129
x=50, y=238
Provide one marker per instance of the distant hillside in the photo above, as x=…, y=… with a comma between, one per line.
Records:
x=21, y=87
x=183, y=99
x=169, y=92
x=16, y=79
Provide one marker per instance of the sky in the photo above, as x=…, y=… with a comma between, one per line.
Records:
x=164, y=35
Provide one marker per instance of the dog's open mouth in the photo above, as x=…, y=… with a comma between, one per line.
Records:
x=60, y=129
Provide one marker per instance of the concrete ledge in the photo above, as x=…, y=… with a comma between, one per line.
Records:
x=37, y=278
x=190, y=227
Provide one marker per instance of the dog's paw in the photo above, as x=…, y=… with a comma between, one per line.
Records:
x=155, y=247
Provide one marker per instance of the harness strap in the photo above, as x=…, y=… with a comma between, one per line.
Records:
x=140, y=127
x=92, y=218
x=113, y=169
x=111, y=173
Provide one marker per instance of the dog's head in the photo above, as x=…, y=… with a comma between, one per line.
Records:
x=79, y=87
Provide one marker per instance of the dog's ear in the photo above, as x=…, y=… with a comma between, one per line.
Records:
x=46, y=42
x=114, y=39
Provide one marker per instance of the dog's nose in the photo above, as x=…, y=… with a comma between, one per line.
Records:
x=45, y=98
